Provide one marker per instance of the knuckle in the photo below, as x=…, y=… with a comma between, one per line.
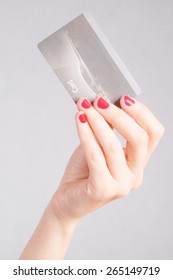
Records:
x=94, y=157
x=159, y=131
x=89, y=145
x=114, y=190
x=141, y=137
x=124, y=188
x=112, y=147
x=100, y=194
x=124, y=192
x=133, y=182
x=137, y=181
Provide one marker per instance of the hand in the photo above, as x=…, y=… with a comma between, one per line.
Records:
x=101, y=170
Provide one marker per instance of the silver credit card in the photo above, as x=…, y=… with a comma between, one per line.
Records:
x=86, y=63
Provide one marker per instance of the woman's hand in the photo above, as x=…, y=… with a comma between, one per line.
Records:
x=101, y=170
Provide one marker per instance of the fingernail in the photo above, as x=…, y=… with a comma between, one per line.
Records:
x=82, y=118
x=128, y=101
x=101, y=103
x=86, y=104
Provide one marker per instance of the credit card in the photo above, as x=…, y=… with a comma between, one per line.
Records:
x=86, y=63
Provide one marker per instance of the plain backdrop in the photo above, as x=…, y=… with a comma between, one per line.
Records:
x=38, y=132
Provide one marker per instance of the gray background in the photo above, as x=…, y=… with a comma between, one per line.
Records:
x=38, y=133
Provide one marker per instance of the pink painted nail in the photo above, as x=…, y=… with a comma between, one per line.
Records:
x=128, y=100
x=82, y=118
x=101, y=103
x=86, y=104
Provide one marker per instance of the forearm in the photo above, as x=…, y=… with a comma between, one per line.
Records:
x=50, y=239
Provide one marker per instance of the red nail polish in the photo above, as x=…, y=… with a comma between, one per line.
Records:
x=82, y=118
x=128, y=101
x=86, y=104
x=101, y=103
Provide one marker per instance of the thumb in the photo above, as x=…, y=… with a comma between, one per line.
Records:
x=77, y=166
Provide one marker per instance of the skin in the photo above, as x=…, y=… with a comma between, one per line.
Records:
x=99, y=171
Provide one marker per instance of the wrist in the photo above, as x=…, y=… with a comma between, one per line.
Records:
x=52, y=236
x=56, y=217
